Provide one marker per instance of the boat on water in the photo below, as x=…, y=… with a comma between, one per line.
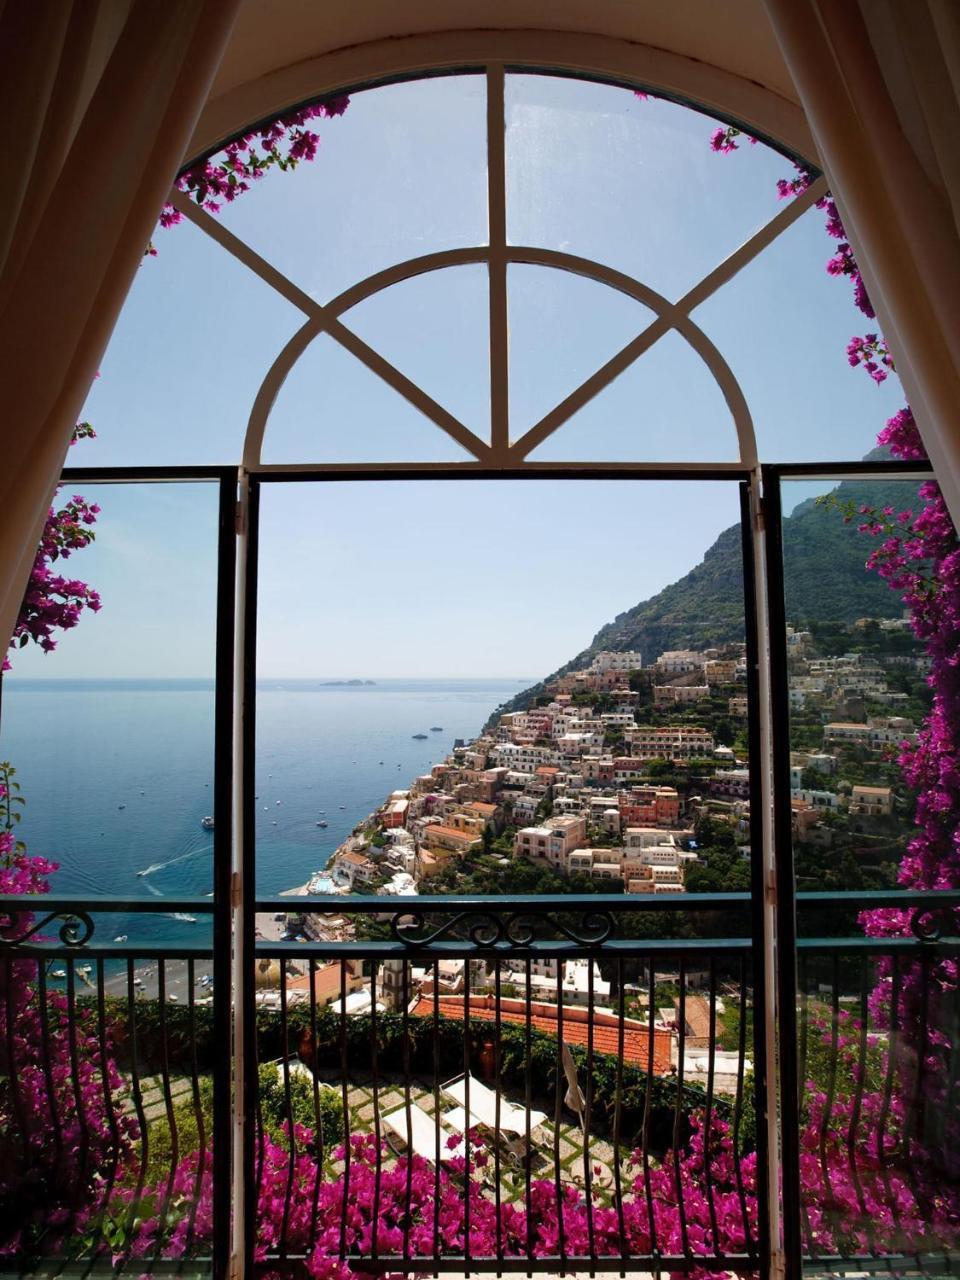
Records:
x=121, y=937
x=59, y=973
x=321, y=823
x=419, y=736
x=436, y=728
x=207, y=823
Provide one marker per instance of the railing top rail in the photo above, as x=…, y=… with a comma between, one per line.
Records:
x=46, y=902
x=359, y=904
x=534, y=904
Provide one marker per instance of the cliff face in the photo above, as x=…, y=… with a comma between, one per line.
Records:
x=825, y=581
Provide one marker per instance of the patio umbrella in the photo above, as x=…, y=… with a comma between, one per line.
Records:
x=574, y=1098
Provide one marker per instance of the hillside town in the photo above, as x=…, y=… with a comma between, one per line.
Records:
x=626, y=777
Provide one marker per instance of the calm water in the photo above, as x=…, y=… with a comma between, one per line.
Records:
x=118, y=774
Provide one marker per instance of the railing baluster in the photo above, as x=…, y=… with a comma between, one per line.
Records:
x=678, y=1105
x=708, y=1113
x=345, y=1098
x=528, y=1101
x=408, y=1102
x=288, y=1112
x=137, y=1098
x=167, y=1104
x=435, y=1023
x=377, y=1134
x=738, y=1108
x=913, y=1123
x=853, y=1128
x=48, y=1066
x=466, y=1094
x=827, y=1116
x=647, y=1110
x=317, y=1117
x=13, y=1076
x=108, y=1107
x=884, y=1149
x=81, y=1115
x=618, y=1115
x=587, y=1121
x=497, y=1135
x=802, y=983
x=197, y=1105
x=558, y=1118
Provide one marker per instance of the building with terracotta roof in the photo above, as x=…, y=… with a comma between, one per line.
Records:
x=327, y=983
x=439, y=837
x=579, y=1027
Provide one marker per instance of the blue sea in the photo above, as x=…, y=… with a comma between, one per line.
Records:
x=117, y=775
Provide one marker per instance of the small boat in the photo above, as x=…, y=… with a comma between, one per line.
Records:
x=121, y=937
x=172, y=995
x=143, y=872
x=436, y=728
x=59, y=973
x=121, y=806
x=321, y=823
x=207, y=823
x=343, y=806
x=379, y=762
x=419, y=736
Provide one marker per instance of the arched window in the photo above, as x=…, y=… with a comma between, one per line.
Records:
x=514, y=351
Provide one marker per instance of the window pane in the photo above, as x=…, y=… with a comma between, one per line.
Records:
x=625, y=774
x=665, y=407
x=593, y=170
x=563, y=327
x=435, y=329
x=331, y=408
x=877, y=1017
x=110, y=1059
x=196, y=336
x=783, y=324
x=401, y=173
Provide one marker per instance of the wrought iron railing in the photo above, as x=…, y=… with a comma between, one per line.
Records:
x=432, y=1098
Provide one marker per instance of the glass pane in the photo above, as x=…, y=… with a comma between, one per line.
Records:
x=402, y=173
x=665, y=407
x=107, y=1024
x=783, y=325
x=615, y=769
x=435, y=329
x=595, y=171
x=331, y=408
x=877, y=1016
x=196, y=336
x=563, y=327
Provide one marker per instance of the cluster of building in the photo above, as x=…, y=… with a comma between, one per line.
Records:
x=566, y=780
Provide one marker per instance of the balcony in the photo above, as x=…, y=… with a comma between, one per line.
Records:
x=425, y=1099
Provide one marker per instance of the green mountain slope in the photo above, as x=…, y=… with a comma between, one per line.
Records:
x=825, y=581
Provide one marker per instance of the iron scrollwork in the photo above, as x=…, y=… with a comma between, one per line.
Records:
x=76, y=928
x=487, y=929
x=932, y=923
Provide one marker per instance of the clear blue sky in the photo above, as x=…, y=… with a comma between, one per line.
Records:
x=502, y=579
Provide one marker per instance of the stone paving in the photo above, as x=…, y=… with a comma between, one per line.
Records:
x=390, y=1096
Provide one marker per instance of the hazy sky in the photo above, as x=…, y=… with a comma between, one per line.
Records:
x=468, y=579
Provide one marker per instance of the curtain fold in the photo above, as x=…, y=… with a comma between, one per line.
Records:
x=102, y=97
x=880, y=83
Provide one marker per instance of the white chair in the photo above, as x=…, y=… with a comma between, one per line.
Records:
x=420, y=1131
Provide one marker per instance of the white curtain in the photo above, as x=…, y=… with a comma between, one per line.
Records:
x=880, y=83
x=98, y=100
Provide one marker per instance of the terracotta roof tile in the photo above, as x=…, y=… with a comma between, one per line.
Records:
x=543, y=1017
